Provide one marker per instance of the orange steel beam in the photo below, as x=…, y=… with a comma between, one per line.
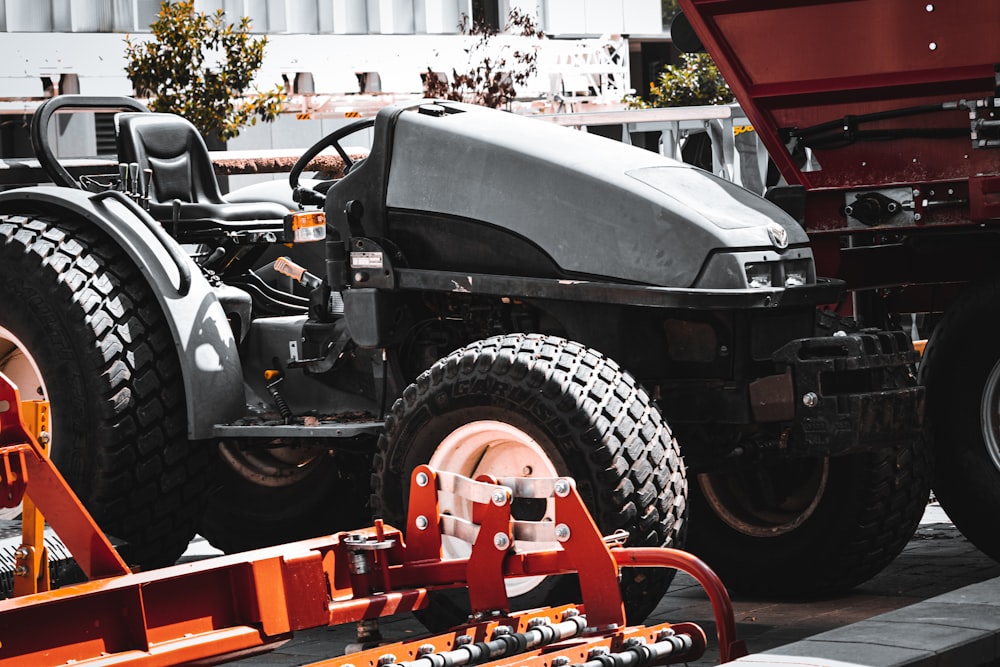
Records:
x=22, y=459
x=31, y=567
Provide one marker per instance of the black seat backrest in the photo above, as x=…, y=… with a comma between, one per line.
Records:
x=183, y=189
x=172, y=148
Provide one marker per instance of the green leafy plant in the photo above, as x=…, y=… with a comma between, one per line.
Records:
x=200, y=66
x=668, y=10
x=494, y=73
x=695, y=81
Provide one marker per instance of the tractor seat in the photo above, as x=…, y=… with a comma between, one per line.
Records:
x=183, y=189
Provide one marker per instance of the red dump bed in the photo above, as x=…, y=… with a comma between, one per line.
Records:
x=801, y=69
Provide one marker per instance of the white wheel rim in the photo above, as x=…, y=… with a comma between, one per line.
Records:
x=20, y=367
x=498, y=449
x=989, y=414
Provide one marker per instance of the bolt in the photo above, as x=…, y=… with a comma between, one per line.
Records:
x=810, y=399
x=422, y=522
x=538, y=622
x=917, y=217
x=502, y=631
x=501, y=541
x=573, y=612
x=386, y=659
x=561, y=487
x=21, y=571
x=559, y=661
x=723, y=351
x=22, y=552
x=422, y=479
x=562, y=532
x=499, y=497
x=463, y=640
x=425, y=649
x=839, y=333
x=633, y=642
x=916, y=192
x=43, y=437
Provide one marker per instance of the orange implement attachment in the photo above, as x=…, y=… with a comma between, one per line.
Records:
x=221, y=608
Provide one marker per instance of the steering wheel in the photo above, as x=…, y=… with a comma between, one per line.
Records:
x=308, y=195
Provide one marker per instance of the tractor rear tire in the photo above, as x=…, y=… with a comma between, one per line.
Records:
x=526, y=404
x=961, y=370
x=81, y=327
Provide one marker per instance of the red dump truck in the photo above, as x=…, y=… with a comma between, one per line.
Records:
x=881, y=117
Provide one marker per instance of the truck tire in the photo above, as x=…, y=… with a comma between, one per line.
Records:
x=80, y=327
x=809, y=527
x=259, y=500
x=961, y=371
x=526, y=404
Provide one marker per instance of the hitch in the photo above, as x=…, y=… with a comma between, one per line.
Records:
x=233, y=606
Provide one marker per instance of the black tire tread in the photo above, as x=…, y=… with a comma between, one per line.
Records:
x=872, y=510
x=638, y=480
x=149, y=477
x=959, y=356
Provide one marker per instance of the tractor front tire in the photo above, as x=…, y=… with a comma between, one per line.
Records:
x=809, y=527
x=530, y=405
x=81, y=328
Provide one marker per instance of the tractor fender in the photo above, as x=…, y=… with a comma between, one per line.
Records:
x=213, y=379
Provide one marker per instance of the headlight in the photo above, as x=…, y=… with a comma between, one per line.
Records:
x=758, y=275
x=795, y=278
x=796, y=273
x=789, y=273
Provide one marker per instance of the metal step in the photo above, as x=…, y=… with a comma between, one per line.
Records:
x=321, y=429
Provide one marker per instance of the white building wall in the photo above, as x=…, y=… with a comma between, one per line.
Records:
x=330, y=43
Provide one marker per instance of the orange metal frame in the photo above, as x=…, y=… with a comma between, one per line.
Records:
x=213, y=610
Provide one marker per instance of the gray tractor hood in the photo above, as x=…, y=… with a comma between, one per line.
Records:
x=594, y=205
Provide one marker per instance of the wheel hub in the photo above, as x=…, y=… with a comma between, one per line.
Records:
x=20, y=367
x=497, y=449
x=277, y=465
x=767, y=502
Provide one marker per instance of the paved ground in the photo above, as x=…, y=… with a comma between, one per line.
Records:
x=937, y=560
